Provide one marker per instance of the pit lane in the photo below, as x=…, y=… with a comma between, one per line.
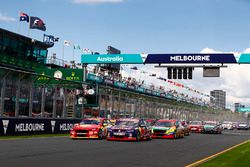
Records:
x=64, y=152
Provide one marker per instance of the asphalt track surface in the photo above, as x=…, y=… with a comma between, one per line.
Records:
x=64, y=152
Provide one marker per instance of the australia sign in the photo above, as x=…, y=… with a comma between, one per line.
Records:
x=244, y=58
x=111, y=59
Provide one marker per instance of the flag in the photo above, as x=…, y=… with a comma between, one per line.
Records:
x=163, y=79
x=37, y=23
x=23, y=17
x=77, y=46
x=86, y=50
x=152, y=75
x=49, y=39
x=170, y=81
x=134, y=68
x=160, y=78
x=178, y=84
x=56, y=39
x=67, y=43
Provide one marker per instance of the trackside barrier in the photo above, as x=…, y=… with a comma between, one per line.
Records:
x=30, y=126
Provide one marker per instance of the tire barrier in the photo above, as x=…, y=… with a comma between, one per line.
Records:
x=29, y=126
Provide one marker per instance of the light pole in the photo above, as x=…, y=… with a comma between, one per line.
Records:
x=84, y=86
x=106, y=95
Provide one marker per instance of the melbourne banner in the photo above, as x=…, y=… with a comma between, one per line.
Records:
x=190, y=58
x=29, y=126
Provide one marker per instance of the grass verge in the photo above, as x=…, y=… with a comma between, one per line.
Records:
x=237, y=157
x=32, y=136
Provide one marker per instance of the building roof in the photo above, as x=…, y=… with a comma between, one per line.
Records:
x=24, y=38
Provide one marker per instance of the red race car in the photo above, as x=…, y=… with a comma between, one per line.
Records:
x=129, y=129
x=195, y=126
x=90, y=128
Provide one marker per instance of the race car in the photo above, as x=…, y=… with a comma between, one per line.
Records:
x=113, y=121
x=151, y=122
x=243, y=125
x=211, y=127
x=129, y=129
x=167, y=129
x=195, y=126
x=227, y=125
x=90, y=128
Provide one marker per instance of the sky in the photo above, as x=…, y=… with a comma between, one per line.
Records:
x=146, y=26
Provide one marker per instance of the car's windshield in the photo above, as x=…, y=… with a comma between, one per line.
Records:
x=86, y=122
x=210, y=123
x=164, y=124
x=127, y=123
x=243, y=123
x=196, y=123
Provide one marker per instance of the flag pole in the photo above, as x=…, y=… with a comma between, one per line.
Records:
x=29, y=28
x=18, y=26
x=63, y=54
x=73, y=45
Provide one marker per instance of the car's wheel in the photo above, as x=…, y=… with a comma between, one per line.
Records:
x=138, y=136
x=100, y=136
x=175, y=136
x=150, y=136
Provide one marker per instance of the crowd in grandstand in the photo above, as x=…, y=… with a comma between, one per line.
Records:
x=116, y=76
x=195, y=98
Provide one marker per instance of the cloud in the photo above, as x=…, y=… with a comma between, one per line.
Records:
x=234, y=80
x=5, y=18
x=247, y=50
x=96, y=1
x=208, y=50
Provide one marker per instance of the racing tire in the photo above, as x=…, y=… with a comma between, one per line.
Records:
x=183, y=134
x=100, y=135
x=149, y=137
x=138, y=136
